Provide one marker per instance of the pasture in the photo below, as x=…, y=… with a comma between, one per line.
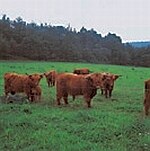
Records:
x=115, y=124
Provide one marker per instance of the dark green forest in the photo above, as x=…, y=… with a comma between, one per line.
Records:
x=20, y=40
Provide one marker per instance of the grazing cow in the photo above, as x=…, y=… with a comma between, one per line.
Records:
x=108, y=84
x=18, y=83
x=81, y=71
x=72, y=84
x=50, y=77
x=147, y=97
x=35, y=94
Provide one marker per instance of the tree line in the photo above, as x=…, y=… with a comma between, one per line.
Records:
x=20, y=40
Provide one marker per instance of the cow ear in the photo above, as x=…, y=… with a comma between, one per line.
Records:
x=41, y=75
x=45, y=74
x=30, y=76
x=115, y=77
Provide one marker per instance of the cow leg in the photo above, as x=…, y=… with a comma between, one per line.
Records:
x=49, y=83
x=102, y=91
x=106, y=93
x=30, y=98
x=33, y=98
x=65, y=99
x=6, y=96
x=146, y=108
x=110, y=93
x=88, y=101
x=73, y=97
x=6, y=90
x=6, y=93
x=58, y=99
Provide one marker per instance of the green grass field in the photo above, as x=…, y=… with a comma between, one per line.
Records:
x=115, y=124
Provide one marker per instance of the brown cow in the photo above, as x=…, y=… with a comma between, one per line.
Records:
x=19, y=83
x=147, y=97
x=108, y=84
x=81, y=71
x=71, y=84
x=50, y=77
x=35, y=94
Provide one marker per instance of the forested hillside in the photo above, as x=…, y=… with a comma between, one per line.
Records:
x=20, y=40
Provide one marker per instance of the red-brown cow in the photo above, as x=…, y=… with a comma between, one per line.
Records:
x=147, y=97
x=81, y=71
x=71, y=84
x=36, y=93
x=50, y=77
x=18, y=83
x=108, y=84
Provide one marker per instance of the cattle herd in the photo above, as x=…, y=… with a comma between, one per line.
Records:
x=79, y=82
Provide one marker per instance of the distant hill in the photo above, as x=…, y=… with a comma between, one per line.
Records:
x=141, y=44
x=20, y=40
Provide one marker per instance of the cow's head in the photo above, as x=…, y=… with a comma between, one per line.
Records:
x=109, y=80
x=97, y=79
x=34, y=79
x=48, y=76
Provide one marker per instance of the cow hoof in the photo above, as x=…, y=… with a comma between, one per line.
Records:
x=89, y=106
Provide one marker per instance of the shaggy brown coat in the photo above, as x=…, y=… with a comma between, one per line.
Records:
x=19, y=83
x=71, y=84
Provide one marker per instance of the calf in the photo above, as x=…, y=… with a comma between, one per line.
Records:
x=50, y=77
x=108, y=84
x=35, y=94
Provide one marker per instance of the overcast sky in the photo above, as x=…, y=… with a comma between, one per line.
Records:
x=129, y=19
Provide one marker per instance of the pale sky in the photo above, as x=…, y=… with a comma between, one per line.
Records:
x=129, y=19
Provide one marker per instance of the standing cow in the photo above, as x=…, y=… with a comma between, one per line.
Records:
x=108, y=84
x=35, y=94
x=19, y=83
x=81, y=71
x=147, y=97
x=50, y=77
x=71, y=84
